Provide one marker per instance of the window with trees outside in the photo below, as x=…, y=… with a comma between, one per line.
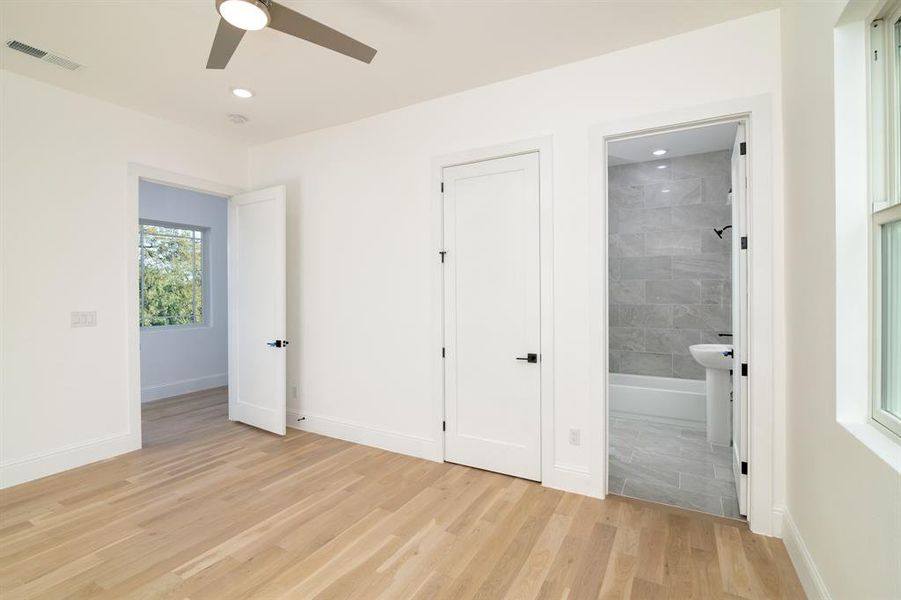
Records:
x=885, y=229
x=171, y=275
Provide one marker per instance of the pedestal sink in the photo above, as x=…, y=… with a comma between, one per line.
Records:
x=717, y=359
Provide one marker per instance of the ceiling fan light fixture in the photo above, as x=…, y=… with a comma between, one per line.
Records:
x=250, y=15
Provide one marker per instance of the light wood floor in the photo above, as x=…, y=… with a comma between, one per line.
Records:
x=213, y=509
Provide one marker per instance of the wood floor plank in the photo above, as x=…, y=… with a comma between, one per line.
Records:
x=215, y=509
x=734, y=567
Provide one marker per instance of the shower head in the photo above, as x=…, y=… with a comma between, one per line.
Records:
x=719, y=232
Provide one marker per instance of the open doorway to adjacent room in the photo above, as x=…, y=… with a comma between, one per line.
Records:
x=677, y=300
x=183, y=309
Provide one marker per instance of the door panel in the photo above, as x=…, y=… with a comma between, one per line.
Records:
x=256, y=304
x=739, y=318
x=492, y=315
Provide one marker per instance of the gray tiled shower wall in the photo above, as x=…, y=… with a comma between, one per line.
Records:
x=670, y=275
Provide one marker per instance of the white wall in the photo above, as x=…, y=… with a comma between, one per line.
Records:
x=843, y=523
x=178, y=360
x=361, y=255
x=66, y=243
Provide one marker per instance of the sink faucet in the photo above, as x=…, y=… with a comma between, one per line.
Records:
x=729, y=354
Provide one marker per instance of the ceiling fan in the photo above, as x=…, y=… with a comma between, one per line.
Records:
x=239, y=16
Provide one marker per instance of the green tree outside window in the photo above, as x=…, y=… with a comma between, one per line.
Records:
x=171, y=275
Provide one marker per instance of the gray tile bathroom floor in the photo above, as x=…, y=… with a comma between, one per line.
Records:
x=671, y=465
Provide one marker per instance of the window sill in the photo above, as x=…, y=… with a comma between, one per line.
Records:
x=878, y=441
x=165, y=328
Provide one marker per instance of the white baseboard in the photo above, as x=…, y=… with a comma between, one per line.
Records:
x=778, y=521
x=810, y=577
x=568, y=478
x=69, y=457
x=185, y=386
x=367, y=435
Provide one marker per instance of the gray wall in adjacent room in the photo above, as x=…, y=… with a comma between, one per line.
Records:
x=670, y=275
x=179, y=360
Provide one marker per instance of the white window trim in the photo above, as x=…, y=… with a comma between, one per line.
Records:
x=854, y=311
x=879, y=416
x=885, y=187
x=206, y=321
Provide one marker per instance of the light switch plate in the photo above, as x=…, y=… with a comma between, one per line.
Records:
x=84, y=318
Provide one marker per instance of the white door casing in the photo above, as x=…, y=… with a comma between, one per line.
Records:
x=492, y=316
x=740, y=316
x=256, y=309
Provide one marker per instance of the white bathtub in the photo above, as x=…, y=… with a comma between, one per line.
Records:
x=659, y=399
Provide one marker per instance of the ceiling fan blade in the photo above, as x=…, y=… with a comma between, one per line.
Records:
x=293, y=23
x=224, y=45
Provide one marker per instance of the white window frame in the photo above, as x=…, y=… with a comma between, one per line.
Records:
x=879, y=415
x=885, y=186
x=204, y=280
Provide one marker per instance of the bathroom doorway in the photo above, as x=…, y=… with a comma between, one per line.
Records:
x=677, y=317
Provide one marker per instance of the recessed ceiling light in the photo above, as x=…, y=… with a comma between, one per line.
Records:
x=665, y=190
x=661, y=166
x=242, y=92
x=251, y=15
x=237, y=119
x=659, y=152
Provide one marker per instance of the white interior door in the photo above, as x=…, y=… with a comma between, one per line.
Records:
x=492, y=315
x=256, y=306
x=740, y=317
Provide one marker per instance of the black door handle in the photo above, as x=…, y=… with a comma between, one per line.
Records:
x=277, y=343
x=530, y=357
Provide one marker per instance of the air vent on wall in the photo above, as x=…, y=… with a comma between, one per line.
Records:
x=44, y=55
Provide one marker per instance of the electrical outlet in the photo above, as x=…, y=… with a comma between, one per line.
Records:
x=84, y=319
x=575, y=437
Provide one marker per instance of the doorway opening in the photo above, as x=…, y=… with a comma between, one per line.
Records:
x=183, y=310
x=678, y=314
x=208, y=287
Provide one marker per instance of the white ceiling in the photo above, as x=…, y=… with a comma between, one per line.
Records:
x=150, y=54
x=676, y=143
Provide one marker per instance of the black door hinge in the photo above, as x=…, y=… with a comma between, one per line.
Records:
x=743, y=148
x=744, y=369
x=443, y=425
x=744, y=242
x=442, y=353
x=744, y=467
x=442, y=253
x=442, y=187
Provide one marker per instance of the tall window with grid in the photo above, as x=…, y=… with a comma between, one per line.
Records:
x=885, y=228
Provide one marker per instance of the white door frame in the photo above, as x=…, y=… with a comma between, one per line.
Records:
x=135, y=174
x=766, y=448
x=544, y=147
